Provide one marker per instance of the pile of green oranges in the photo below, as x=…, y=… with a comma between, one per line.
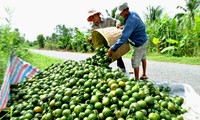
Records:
x=89, y=90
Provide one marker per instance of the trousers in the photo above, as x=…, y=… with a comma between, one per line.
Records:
x=120, y=63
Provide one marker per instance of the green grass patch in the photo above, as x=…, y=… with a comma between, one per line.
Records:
x=41, y=61
x=166, y=58
x=179, y=60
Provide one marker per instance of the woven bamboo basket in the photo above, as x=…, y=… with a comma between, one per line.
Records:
x=109, y=36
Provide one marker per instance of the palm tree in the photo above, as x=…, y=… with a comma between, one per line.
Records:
x=153, y=13
x=114, y=15
x=189, y=9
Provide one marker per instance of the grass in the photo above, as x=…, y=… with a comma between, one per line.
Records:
x=179, y=60
x=165, y=58
x=41, y=61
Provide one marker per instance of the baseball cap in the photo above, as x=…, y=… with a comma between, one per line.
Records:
x=122, y=7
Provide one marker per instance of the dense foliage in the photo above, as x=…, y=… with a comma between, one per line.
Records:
x=178, y=36
x=10, y=41
x=175, y=36
x=40, y=39
x=176, y=39
x=71, y=39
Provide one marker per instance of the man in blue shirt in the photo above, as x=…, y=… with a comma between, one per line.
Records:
x=135, y=32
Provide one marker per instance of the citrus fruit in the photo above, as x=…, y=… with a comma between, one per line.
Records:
x=106, y=112
x=119, y=92
x=94, y=99
x=171, y=107
x=92, y=117
x=139, y=115
x=37, y=109
x=124, y=98
x=57, y=113
x=66, y=112
x=98, y=105
x=127, y=104
x=149, y=100
x=114, y=86
x=154, y=116
x=105, y=101
x=142, y=103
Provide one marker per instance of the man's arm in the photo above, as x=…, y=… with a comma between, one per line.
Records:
x=111, y=22
x=126, y=32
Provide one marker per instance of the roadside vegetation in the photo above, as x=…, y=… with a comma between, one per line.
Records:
x=171, y=39
x=41, y=61
x=64, y=89
x=190, y=60
x=177, y=36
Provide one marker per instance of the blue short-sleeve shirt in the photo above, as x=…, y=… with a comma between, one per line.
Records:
x=134, y=30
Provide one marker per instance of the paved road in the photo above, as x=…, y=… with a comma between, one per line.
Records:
x=156, y=71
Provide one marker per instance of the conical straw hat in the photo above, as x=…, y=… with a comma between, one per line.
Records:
x=109, y=36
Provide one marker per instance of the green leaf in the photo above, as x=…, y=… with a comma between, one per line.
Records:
x=197, y=21
x=170, y=48
x=155, y=41
x=172, y=41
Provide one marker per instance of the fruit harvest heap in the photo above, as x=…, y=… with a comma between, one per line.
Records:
x=91, y=90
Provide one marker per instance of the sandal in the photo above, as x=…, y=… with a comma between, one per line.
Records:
x=130, y=72
x=143, y=77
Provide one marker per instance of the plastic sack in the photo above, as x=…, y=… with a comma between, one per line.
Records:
x=191, y=98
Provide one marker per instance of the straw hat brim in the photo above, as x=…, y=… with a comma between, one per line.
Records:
x=92, y=14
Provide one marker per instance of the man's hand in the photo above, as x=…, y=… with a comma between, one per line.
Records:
x=110, y=52
x=119, y=27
